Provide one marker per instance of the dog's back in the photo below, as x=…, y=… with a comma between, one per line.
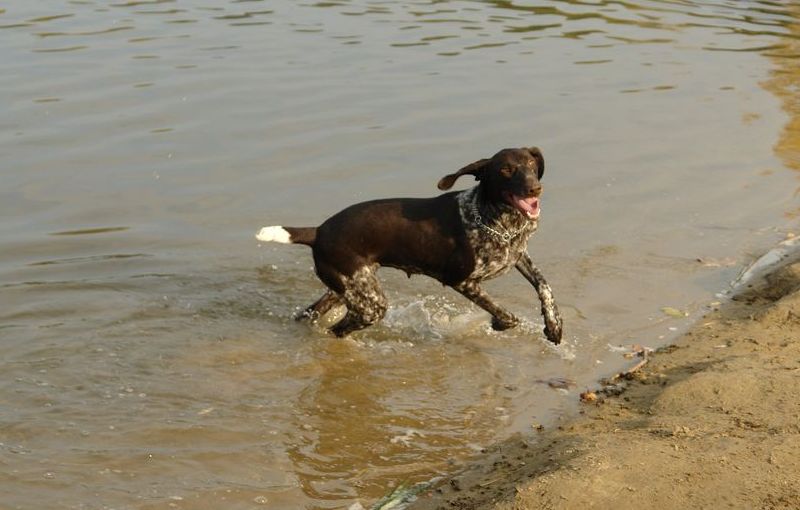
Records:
x=416, y=235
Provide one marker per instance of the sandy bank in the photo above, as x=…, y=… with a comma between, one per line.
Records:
x=711, y=422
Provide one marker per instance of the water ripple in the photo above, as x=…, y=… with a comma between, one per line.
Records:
x=144, y=139
x=89, y=231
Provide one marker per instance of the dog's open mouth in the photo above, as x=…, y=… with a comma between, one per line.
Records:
x=528, y=206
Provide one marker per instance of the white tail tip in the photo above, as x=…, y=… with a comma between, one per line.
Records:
x=276, y=234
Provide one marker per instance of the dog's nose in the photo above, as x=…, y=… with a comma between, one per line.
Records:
x=535, y=191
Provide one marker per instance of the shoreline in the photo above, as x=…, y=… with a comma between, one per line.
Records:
x=711, y=421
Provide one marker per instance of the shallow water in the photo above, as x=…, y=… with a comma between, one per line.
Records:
x=149, y=358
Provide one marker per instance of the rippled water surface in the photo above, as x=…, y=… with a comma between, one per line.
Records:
x=149, y=358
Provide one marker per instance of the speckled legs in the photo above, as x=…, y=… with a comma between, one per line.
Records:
x=366, y=303
x=501, y=319
x=552, y=318
x=320, y=307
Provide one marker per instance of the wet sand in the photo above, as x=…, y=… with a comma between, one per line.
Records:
x=712, y=421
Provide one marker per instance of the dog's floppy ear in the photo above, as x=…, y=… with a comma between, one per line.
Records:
x=537, y=155
x=475, y=169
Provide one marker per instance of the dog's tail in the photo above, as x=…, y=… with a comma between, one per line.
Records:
x=288, y=235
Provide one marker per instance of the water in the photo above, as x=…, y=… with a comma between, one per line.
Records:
x=149, y=359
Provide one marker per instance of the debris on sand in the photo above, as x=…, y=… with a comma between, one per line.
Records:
x=674, y=312
x=784, y=254
x=401, y=496
x=558, y=383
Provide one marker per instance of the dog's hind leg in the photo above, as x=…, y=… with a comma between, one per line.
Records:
x=320, y=307
x=501, y=318
x=366, y=303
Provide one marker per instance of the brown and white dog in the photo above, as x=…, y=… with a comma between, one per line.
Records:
x=460, y=238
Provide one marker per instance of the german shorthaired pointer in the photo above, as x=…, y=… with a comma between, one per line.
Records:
x=461, y=238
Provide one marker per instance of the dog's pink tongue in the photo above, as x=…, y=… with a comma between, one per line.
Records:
x=530, y=206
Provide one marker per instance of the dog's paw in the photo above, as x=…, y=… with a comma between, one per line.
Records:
x=552, y=330
x=504, y=323
x=306, y=315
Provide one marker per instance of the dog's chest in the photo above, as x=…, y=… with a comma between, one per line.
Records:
x=494, y=253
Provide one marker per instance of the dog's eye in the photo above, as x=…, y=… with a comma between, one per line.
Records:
x=506, y=172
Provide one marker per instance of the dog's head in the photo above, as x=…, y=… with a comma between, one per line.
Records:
x=510, y=177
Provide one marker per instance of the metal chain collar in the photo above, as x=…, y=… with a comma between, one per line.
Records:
x=504, y=236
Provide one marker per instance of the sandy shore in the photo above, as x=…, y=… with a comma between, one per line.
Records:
x=710, y=422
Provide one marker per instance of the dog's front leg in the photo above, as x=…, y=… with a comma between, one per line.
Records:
x=552, y=318
x=501, y=319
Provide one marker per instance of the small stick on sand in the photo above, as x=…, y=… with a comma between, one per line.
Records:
x=628, y=374
x=635, y=367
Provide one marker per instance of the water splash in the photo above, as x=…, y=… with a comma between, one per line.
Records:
x=431, y=317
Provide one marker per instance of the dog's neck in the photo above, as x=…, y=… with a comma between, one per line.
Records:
x=492, y=217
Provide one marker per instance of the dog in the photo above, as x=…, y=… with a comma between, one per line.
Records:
x=460, y=238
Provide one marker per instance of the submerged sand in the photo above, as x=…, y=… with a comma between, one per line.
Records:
x=710, y=422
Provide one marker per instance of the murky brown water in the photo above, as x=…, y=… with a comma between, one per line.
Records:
x=149, y=359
